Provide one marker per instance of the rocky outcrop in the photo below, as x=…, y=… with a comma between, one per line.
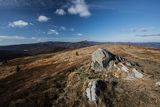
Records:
x=106, y=62
x=100, y=60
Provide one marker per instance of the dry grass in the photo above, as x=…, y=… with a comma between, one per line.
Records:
x=60, y=79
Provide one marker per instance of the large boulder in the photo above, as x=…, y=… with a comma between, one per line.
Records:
x=100, y=60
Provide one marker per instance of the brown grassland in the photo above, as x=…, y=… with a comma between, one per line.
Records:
x=58, y=79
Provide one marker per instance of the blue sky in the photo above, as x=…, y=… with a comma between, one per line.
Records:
x=31, y=21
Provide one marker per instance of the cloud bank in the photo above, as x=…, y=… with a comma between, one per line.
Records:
x=11, y=37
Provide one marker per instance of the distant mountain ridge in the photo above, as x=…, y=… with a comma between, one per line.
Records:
x=15, y=51
x=143, y=44
x=149, y=45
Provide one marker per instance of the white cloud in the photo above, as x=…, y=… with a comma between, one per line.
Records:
x=2, y=37
x=52, y=31
x=60, y=12
x=18, y=23
x=11, y=37
x=72, y=10
x=63, y=28
x=43, y=18
x=79, y=34
x=33, y=37
x=79, y=7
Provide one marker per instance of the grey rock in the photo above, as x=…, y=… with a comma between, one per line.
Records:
x=100, y=60
x=157, y=84
x=134, y=74
x=102, y=93
x=95, y=88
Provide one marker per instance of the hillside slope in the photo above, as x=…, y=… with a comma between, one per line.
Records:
x=60, y=79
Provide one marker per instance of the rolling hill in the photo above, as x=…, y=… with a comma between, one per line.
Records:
x=60, y=79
